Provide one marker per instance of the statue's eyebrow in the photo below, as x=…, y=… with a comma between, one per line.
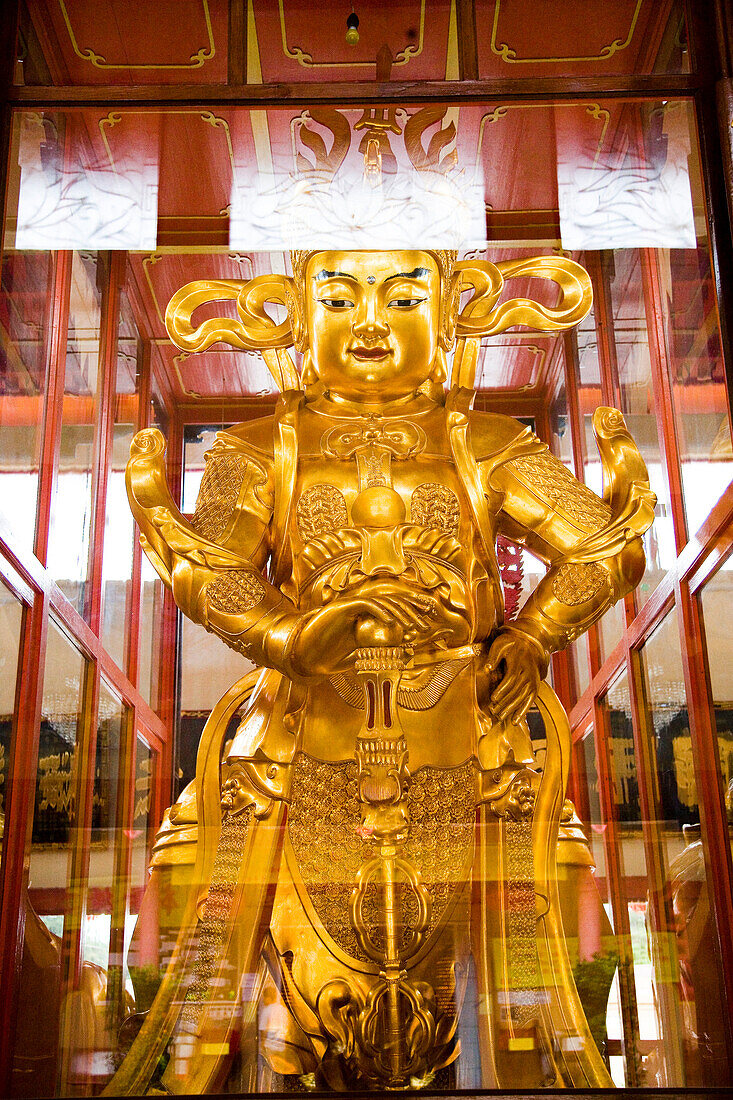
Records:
x=323, y=275
x=418, y=273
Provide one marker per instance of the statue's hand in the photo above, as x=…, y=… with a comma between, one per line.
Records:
x=514, y=668
x=446, y=624
x=327, y=637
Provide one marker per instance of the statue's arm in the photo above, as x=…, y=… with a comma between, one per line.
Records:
x=593, y=546
x=213, y=564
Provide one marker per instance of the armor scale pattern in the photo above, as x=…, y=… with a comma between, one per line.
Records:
x=554, y=483
x=218, y=494
x=217, y=909
x=323, y=819
x=576, y=583
x=321, y=511
x=235, y=592
x=435, y=506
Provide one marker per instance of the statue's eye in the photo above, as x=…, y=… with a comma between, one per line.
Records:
x=405, y=303
x=336, y=303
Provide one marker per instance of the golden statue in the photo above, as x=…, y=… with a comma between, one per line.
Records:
x=364, y=878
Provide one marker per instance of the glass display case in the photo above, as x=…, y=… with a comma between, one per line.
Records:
x=180, y=940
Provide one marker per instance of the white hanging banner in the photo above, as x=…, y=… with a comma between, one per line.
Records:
x=632, y=203
x=79, y=206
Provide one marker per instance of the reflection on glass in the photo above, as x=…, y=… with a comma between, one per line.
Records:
x=11, y=614
x=71, y=506
x=717, y=606
x=25, y=291
x=136, y=979
x=118, y=523
x=590, y=396
x=691, y=894
x=141, y=808
x=698, y=380
x=667, y=704
x=580, y=659
x=101, y=933
x=640, y=1024
x=50, y=899
x=151, y=597
x=207, y=669
x=679, y=1040
x=611, y=628
x=151, y=616
x=597, y=955
x=561, y=443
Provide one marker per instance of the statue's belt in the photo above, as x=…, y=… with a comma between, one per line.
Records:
x=441, y=667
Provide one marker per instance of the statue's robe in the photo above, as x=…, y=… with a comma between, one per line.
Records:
x=277, y=824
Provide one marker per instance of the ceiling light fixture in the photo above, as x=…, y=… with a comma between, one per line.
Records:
x=352, y=28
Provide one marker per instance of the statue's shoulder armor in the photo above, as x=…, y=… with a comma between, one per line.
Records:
x=238, y=475
x=253, y=437
x=492, y=434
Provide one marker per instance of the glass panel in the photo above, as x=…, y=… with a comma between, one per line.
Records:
x=640, y=1026
x=197, y=440
x=11, y=617
x=151, y=626
x=25, y=293
x=71, y=505
x=561, y=443
x=207, y=670
x=101, y=934
x=49, y=935
x=698, y=380
x=588, y=381
x=637, y=404
x=524, y=220
x=717, y=606
x=596, y=964
x=680, y=1041
x=611, y=628
x=137, y=981
x=151, y=597
x=580, y=657
x=118, y=523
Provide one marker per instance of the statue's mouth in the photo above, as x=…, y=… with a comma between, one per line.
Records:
x=371, y=354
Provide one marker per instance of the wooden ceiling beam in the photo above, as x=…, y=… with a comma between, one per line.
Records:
x=529, y=90
x=237, y=43
x=467, y=40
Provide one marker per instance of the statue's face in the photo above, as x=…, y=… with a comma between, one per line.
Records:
x=372, y=321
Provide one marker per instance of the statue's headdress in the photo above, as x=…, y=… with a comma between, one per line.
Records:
x=421, y=205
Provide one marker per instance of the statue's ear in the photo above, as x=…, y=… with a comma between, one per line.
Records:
x=481, y=316
x=252, y=330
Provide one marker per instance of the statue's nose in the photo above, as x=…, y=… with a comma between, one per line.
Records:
x=370, y=320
